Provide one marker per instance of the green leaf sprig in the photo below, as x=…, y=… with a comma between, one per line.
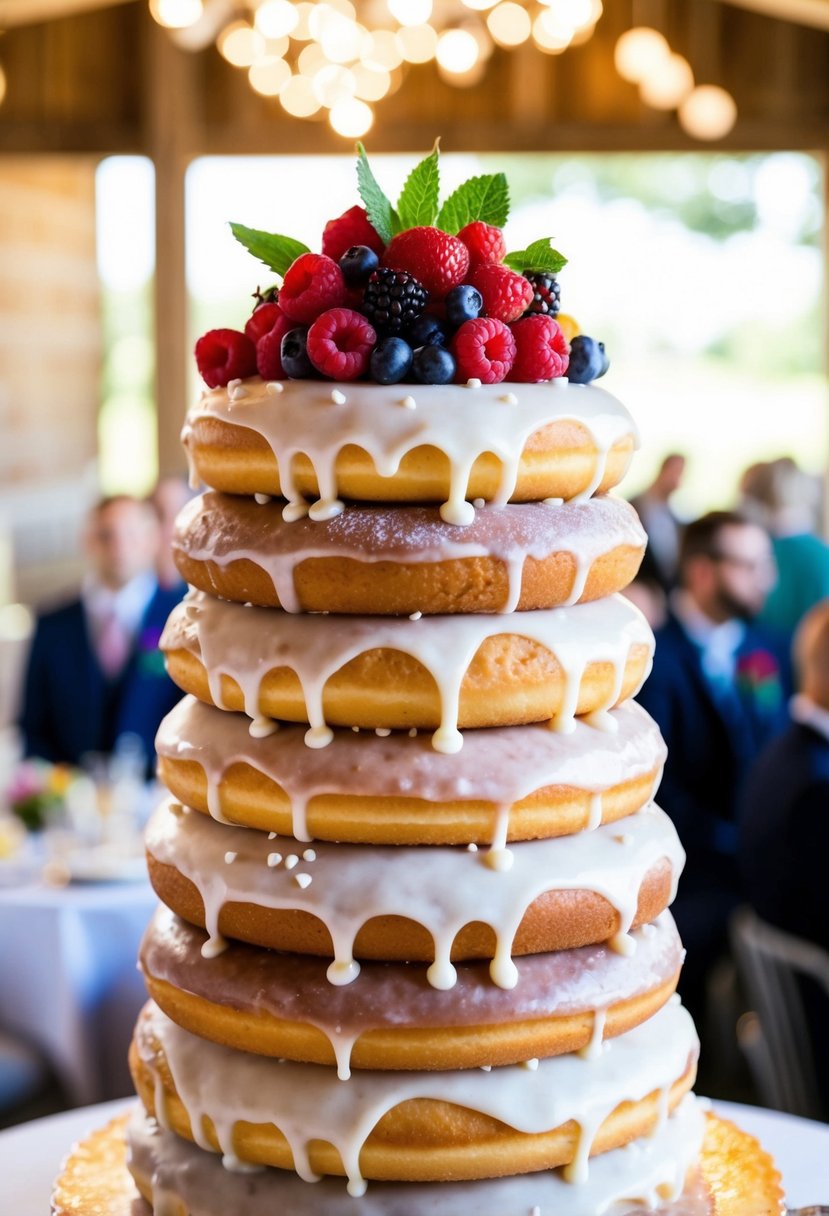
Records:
x=484, y=198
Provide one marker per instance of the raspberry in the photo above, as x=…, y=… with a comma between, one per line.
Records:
x=485, y=244
x=483, y=348
x=393, y=299
x=506, y=294
x=313, y=283
x=340, y=343
x=223, y=355
x=546, y=294
x=437, y=260
x=269, y=350
x=262, y=320
x=351, y=228
x=542, y=352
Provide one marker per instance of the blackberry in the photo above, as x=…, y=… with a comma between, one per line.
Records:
x=392, y=299
x=546, y=300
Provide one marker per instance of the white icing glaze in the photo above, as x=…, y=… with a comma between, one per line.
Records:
x=225, y=528
x=461, y=424
x=645, y=1173
x=500, y=766
x=308, y=1102
x=442, y=889
x=246, y=643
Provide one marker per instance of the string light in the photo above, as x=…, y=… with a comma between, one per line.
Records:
x=298, y=98
x=351, y=118
x=276, y=18
x=176, y=14
x=418, y=43
x=269, y=76
x=3, y=84
x=669, y=85
x=709, y=112
x=410, y=12
x=457, y=51
x=509, y=23
x=241, y=44
x=639, y=52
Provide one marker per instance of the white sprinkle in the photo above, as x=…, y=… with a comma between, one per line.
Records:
x=472, y=848
x=271, y=835
x=185, y=810
x=486, y=1068
x=561, y=382
x=409, y=403
x=274, y=859
x=233, y=384
x=229, y=857
x=337, y=397
x=382, y=731
x=356, y=730
x=552, y=502
x=536, y=1211
x=309, y=855
x=238, y=393
x=508, y=399
x=274, y=386
x=261, y=728
x=415, y=616
x=291, y=860
x=262, y=499
x=478, y=503
x=473, y=382
x=530, y=1065
x=413, y=732
x=303, y=880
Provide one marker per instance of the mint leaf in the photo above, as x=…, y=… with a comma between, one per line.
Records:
x=484, y=198
x=540, y=255
x=419, y=199
x=277, y=252
x=382, y=216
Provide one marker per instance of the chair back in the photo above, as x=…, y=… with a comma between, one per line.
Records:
x=773, y=965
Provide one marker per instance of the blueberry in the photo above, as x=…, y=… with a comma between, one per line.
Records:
x=425, y=330
x=463, y=303
x=391, y=360
x=294, y=354
x=588, y=360
x=357, y=264
x=433, y=365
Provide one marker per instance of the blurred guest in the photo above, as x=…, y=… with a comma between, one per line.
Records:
x=718, y=693
x=649, y=597
x=786, y=501
x=784, y=812
x=167, y=499
x=660, y=522
x=94, y=672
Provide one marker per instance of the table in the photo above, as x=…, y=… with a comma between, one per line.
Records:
x=70, y=985
x=30, y=1155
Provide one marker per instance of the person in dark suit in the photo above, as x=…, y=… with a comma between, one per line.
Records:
x=94, y=672
x=784, y=808
x=718, y=692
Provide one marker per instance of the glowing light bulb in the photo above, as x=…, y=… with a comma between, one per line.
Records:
x=370, y=84
x=240, y=44
x=509, y=24
x=302, y=30
x=382, y=50
x=333, y=84
x=269, y=76
x=410, y=12
x=669, y=84
x=3, y=84
x=572, y=13
x=351, y=117
x=639, y=52
x=464, y=80
x=709, y=112
x=298, y=98
x=480, y=6
x=457, y=51
x=176, y=14
x=418, y=43
x=550, y=33
x=276, y=18
x=311, y=59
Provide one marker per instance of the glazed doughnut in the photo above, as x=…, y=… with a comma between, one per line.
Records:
x=391, y=1018
x=735, y=1177
x=439, y=672
x=446, y=444
x=413, y=1126
x=506, y=784
x=420, y=904
x=399, y=560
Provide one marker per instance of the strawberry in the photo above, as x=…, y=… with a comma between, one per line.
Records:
x=436, y=260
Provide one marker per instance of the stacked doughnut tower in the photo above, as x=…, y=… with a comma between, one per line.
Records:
x=414, y=944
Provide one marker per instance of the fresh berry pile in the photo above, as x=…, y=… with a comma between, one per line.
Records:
x=418, y=292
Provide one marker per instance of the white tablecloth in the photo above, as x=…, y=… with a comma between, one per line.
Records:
x=68, y=978
x=30, y=1155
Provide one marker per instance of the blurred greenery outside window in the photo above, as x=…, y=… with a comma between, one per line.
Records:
x=702, y=273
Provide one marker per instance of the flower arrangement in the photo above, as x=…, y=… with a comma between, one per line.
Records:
x=37, y=792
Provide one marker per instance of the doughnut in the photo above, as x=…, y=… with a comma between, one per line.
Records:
x=413, y=1126
x=735, y=1177
x=399, y=560
x=506, y=784
x=429, y=903
x=438, y=673
x=446, y=444
x=391, y=1018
